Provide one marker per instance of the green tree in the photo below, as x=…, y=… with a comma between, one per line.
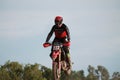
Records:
x=46, y=72
x=104, y=72
x=75, y=75
x=13, y=70
x=32, y=72
x=92, y=73
x=16, y=71
x=116, y=76
x=4, y=75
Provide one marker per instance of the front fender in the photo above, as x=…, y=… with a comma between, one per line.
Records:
x=55, y=54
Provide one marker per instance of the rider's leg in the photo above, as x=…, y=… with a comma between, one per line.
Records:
x=67, y=52
x=51, y=52
x=69, y=59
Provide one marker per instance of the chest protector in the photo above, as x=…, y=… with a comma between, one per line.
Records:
x=60, y=32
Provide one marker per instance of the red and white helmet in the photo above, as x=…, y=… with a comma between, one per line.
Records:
x=58, y=20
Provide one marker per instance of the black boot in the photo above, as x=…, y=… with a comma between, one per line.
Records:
x=69, y=62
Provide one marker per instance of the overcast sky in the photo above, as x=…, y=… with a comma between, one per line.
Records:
x=94, y=28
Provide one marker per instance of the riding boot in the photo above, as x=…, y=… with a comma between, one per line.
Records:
x=69, y=60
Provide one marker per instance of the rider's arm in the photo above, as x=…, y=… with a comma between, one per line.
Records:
x=68, y=33
x=50, y=34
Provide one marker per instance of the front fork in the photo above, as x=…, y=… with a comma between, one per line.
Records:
x=59, y=66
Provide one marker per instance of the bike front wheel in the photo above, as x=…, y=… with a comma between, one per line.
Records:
x=56, y=71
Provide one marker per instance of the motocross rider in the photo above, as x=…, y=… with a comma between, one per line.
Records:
x=62, y=35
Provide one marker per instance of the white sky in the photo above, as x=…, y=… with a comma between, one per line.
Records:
x=94, y=26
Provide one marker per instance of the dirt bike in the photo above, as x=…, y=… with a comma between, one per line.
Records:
x=59, y=62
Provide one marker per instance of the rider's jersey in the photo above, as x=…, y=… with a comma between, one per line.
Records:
x=60, y=32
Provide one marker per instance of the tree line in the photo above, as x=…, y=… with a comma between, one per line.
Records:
x=17, y=71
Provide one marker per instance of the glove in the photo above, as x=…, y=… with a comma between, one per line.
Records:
x=67, y=44
x=46, y=44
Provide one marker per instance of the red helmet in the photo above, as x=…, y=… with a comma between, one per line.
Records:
x=58, y=20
